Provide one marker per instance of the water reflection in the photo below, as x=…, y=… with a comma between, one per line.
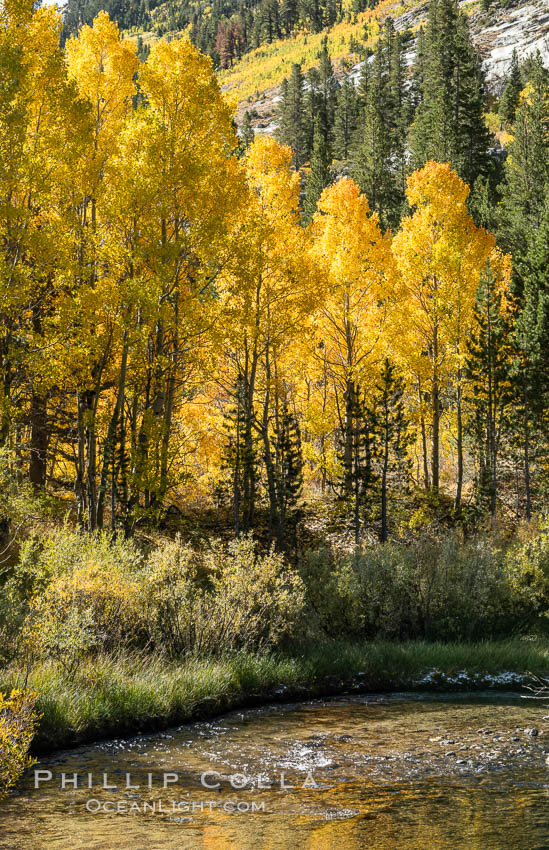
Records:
x=438, y=772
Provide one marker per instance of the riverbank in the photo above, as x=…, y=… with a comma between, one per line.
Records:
x=132, y=693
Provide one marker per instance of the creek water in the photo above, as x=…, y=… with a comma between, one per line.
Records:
x=401, y=771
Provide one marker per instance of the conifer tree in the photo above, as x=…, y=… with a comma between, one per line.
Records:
x=533, y=322
x=509, y=102
x=320, y=174
x=357, y=454
x=312, y=12
x=379, y=159
x=290, y=116
x=363, y=84
x=522, y=215
x=345, y=120
x=240, y=456
x=526, y=168
x=388, y=422
x=326, y=93
x=532, y=353
x=418, y=72
x=473, y=138
x=247, y=134
x=488, y=370
x=289, y=475
x=270, y=27
x=449, y=123
x=288, y=15
x=310, y=116
x=399, y=113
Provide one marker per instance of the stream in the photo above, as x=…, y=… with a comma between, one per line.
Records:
x=400, y=771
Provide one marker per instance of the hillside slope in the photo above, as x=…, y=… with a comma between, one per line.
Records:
x=254, y=81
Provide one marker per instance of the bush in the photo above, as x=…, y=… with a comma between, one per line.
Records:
x=435, y=589
x=527, y=566
x=332, y=592
x=177, y=599
x=226, y=598
x=87, y=596
x=17, y=724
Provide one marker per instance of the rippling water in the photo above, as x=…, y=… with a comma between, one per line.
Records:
x=385, y=772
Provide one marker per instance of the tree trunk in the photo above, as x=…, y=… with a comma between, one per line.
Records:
x=527, y=492
x=459, y=487
x=39, y=437
x=269, y=466
x=91, y=460
x=39, y=440
x=348, y=438
x=384, y=472
x=108, y=449
x=435, y=406
x=79, y=489
x=426, y=480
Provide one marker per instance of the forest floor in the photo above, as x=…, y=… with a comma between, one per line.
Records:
x=132, y=693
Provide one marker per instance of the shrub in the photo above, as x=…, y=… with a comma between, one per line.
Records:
x=462, y=589
x=177, y=599
x=527, y=566
x=436, y=589
x=332, y=592
x=91, y=601
x=229, y=597
x=17, y=724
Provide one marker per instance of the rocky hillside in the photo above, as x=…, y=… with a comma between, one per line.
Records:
x=254, y=82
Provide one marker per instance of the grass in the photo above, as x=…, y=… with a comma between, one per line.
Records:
x=133, y=693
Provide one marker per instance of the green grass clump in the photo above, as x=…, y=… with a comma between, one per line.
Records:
x=131, y=693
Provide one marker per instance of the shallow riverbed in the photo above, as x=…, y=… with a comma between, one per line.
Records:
x=401, y=771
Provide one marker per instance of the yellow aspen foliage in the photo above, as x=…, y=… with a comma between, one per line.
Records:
x=103, y=66
x=349, y=320
x=440, y=254
x=349, y=246
x=18, y=721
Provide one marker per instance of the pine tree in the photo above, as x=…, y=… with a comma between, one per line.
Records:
x=310, y=115
x=473, y=138
x=418, y=73
x=247, y=134
x=531, y=365
x=311, y=11
x=390, y=427
x=363, y=83
x=399, y=112
x=488, y=370
x=289, y=15
x=289, y=475
x=357, y=454
x=270, y=28
x=379, y=161
x=526, y=169
x=240, y=457
x=533, y=322
x=522, y=216
x=345, y=120
x=320, y=174
x=326, y=92
x=332, y=12
x=290, y=116
x=509, y=102
x=449, y=122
